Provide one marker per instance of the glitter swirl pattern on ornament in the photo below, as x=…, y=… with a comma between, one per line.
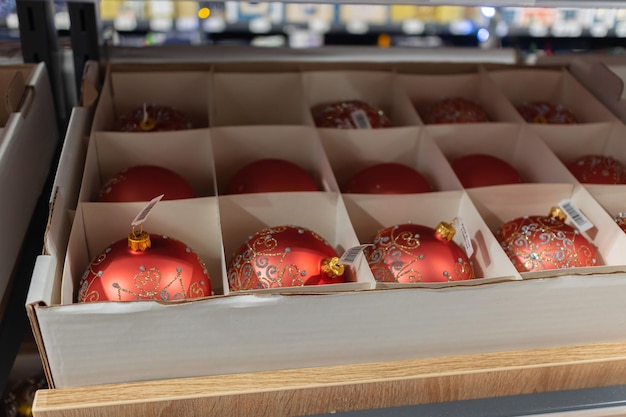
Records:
x=453, y=110
x=598, y=169
x=340, y=115
x=538, y=243
x=411, y=253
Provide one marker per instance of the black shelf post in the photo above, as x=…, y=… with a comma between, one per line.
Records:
x=85, y=30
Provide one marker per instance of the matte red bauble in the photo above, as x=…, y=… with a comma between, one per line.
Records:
x=350, y=114
x=538, y=243
x=598, y=169
x=542, y=112
x=153, y=118
x=270, y=175
x=408, y=253
x=479, y=170
x=453, y=110
x=284, y=256
x=387, y=178
x=145, y=267
x=142, y=183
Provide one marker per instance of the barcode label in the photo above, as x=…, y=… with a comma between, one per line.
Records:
x=143, y=215
x=359, y=117
x=351, y=254
x=579, y=219
x=465, y=236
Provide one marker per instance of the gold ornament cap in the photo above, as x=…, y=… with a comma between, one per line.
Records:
x=445, y=231
x=558, y=213
x=148, y=124
x=332, y=267
x=139, y=241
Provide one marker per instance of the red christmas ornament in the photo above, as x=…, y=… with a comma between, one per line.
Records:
x=153, y=118
x=542, y=112
x=142, y=183
x=350, y=114
x=409, y=253
x=145, y=267
x=388, y=178
x=620, y=219
x=598, y=169
x=538, y=243
x=284, y=256
x=479, y=170
x=453, y=110
x=270, y=175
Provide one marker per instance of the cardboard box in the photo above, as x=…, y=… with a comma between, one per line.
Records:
x=350, y=151
x=515, y=144
x=424, y=90
x=522, y=86
x=28, y=140
x=500, y=204
x=371, y=213
x=236, y=147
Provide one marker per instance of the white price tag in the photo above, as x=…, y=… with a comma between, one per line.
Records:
x=465, y=236
x=143, y=215
x=351, y=254
x=359, y=117
x=579, y=219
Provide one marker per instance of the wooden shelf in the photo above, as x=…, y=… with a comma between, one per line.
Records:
x=347, y=388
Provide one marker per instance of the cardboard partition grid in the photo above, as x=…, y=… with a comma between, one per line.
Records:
x=515, y=144
x=196, y=222
x=371, y=213
x=350, y=151
x=122, y=92
x=12, y=90
x=500, y=204
x=236, y=147
x=523, y=86
x=570, y=143
x=424, y=90
x=244, y=215
x=377, y=88
x=187, y=153
x=611, y=198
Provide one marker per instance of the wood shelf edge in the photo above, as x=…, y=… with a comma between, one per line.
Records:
x=349, y=387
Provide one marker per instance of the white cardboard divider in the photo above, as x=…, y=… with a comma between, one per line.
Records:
x=185, y=91
x=324, y=213
x=555, y=86
x=235, y=147
x=186, y=152
x=258, y=99
x=97, y=225
x=611, y=197
x=351, y=150
x=500, y=204
x=377, y=88
x=513, y=143
x=372, y=213
x=426, y=89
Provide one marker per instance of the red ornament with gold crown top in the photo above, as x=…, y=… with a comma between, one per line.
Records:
x=349, y=114
x=153, y=118
x=142, y=182
x=387, y=178
x=412, y=253
x=598, y=169
x=538, y=243
x=145, y=267
x=284, y=256
x=543, y=112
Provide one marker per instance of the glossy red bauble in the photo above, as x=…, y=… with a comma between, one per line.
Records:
x=387, y=178
x=350, y=114
x=269, y=176
x=143, y=183
x=153, y=118
x=166, y=270
x=479, y=170
x=538, y=243
x=409, y=253
x=542, y=112
x=453, y=110
x=598, y=169
x=284, y=256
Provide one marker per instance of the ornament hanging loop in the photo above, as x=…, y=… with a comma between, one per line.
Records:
x=332, y=267
x=147, y=123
